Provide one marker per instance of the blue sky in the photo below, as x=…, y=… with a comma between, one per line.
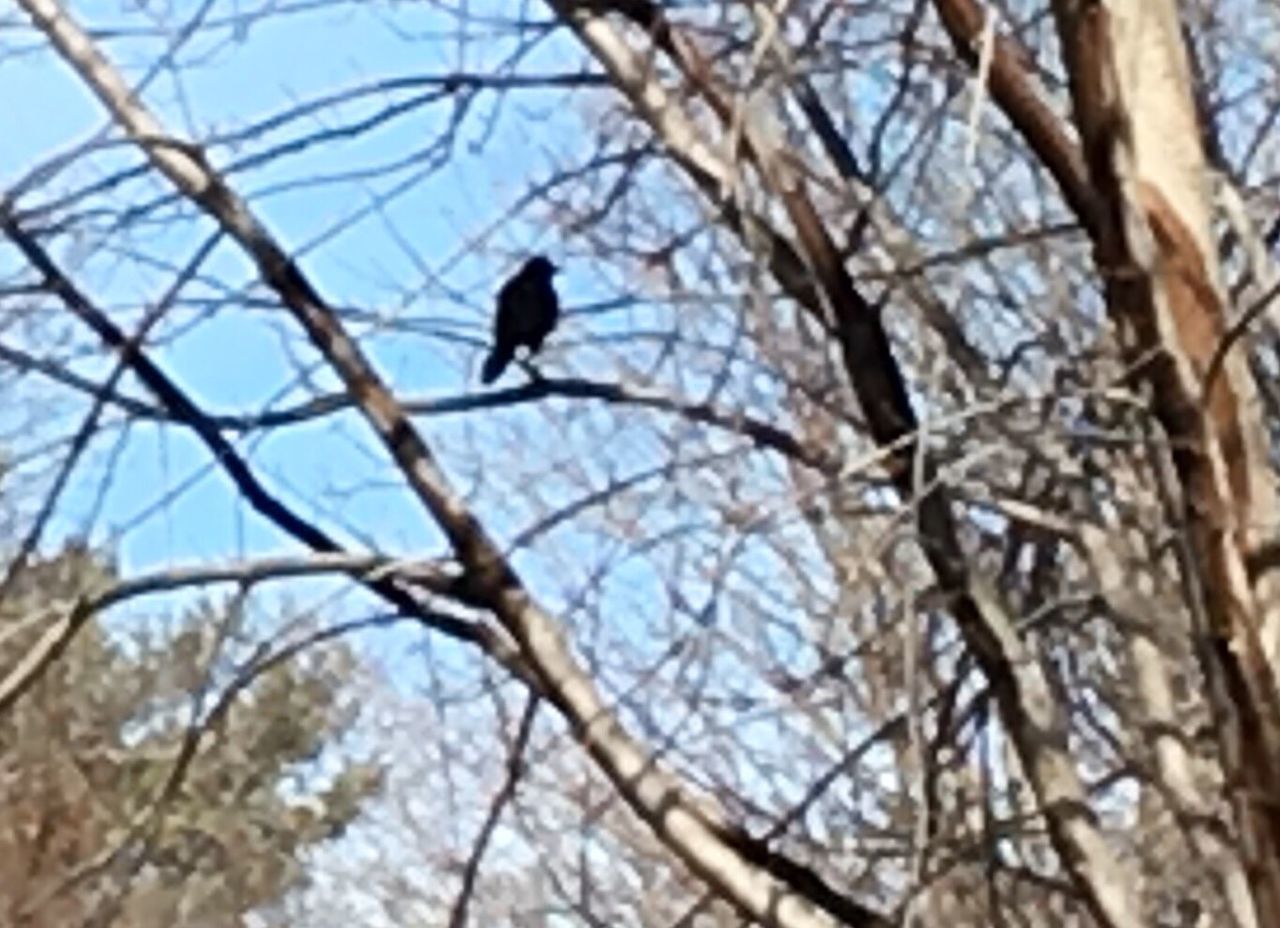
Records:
x=444, y=240
x=232, y=360
x=163, y=502
x=441, y=236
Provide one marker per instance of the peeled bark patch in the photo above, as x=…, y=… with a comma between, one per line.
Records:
x=1198, y=327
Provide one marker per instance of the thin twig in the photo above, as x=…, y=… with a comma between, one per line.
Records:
x=515, y=769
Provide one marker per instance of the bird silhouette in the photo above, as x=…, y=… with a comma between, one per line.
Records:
x=528, y=310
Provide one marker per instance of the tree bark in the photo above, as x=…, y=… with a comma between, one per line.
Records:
x=1134, y=108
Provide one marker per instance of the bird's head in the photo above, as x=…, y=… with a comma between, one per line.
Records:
x=540, y=266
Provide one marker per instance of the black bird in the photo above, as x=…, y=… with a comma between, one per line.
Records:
x=528, y=310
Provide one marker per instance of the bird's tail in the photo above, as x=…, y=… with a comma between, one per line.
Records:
x=496, y=363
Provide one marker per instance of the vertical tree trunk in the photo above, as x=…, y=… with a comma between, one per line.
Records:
x=1131, y=88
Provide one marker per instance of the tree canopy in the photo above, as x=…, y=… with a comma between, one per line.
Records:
x=885, y=535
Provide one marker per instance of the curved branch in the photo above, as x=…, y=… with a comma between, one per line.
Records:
x=1031, y=712
x=58, y=636
x=695, y=830
x=181, y=408
x=761, y=434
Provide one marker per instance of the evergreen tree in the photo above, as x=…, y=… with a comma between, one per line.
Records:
x=99, y=829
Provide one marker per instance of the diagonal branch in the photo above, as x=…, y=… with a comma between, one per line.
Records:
x=181, y=408
x=1018, y=95
x=22, y=360
x=89, y=426
x=696, y=831
x=1033, y=716
x=505, y=794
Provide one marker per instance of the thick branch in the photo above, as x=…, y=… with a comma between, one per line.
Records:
x=1130, y=86
x=1022, y=101
x=1033, y=716
x=694, y=831
x=181, y=408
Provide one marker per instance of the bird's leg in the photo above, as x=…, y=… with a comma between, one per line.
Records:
x=530, y=369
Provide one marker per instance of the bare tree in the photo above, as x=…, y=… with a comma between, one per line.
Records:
x=891, y=523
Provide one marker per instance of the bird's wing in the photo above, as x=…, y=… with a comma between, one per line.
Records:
x=521, y=308
x=509, y=300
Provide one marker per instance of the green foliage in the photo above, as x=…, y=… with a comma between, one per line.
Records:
x=94, y=821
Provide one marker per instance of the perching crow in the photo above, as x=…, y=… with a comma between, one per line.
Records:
x=528, y=310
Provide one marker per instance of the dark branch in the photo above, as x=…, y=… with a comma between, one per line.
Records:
x=179, y=407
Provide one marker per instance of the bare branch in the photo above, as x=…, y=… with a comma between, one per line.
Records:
x=694, y=831
x=181, y=407
x=1032, y=714
x=58, y=636
x=515, y=767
